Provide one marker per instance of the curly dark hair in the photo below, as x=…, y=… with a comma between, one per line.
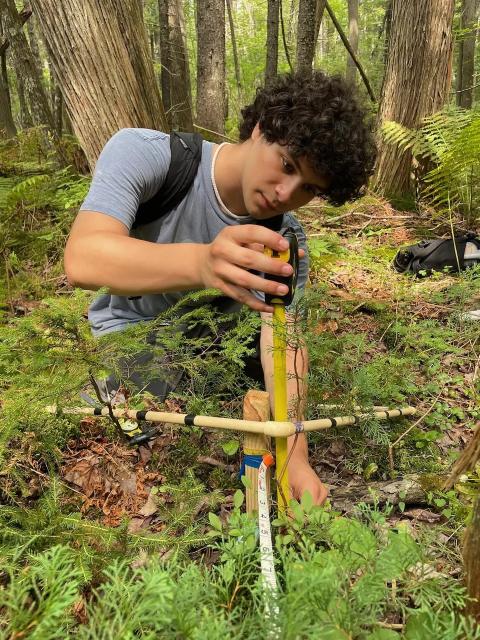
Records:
x=317, y=117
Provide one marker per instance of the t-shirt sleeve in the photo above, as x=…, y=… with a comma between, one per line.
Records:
x=130, y=170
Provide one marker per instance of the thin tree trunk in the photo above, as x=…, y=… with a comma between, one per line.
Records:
x=466, y=55
x=292, y=19
x=102, y=62
x=351, y=73
x=306, y=35
x=319, y=11
x=175, y=76
x=416, y=83
x=273, y=13
x=23, y=16
x=28, y=79
x=164, y=45
x=180, y=78
x=211, y=65
x=58, y=108
x=284, y=36
x=345, y=41
x=236, y=63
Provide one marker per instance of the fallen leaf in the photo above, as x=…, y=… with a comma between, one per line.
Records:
x=151, y=505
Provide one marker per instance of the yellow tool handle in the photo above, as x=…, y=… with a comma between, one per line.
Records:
x=280, y=409
x=280, y=404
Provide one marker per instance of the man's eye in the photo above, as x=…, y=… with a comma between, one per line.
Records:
x=289, y=168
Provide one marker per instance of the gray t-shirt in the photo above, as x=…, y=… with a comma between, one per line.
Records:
x=129, y=171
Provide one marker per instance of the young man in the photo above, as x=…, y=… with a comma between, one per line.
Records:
x=305, y=136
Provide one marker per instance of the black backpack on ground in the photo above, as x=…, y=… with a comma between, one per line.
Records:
x=451, y=255
x=186, y=154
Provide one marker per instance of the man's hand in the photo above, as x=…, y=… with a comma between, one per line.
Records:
x=303, y=478
x=234, y=253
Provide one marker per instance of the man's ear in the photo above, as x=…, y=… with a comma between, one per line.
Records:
x=256, y=133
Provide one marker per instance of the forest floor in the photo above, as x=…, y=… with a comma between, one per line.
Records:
x=375, y=337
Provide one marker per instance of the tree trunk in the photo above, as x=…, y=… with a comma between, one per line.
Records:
x=416, y=83
x=211, y=65
x=471, y=560
x=273, y=14
x=466, y=55
x=58, y=109
x=236, y=63
x=28, y=79
x=26, y=120
x=34, y=48
x=319, y=11
x=163, y=34
x=306, y=35
x=175, y=69
x=7, y=125
x=351, y=73
x=102, y=62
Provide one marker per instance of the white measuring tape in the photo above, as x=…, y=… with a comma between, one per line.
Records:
x=266, y=549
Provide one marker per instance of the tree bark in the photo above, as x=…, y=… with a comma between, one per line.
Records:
x=416, y=82
x=319, y=11
x=25, y=67
x=211, y=65
x=471, y=560
x=271, y=65
x=175, y=69
x=408, y=490
x=101, y=59
x=238, y=76
x=7, y=124
x=34, y=48
x=466, y=55
x=345, y=41
x=306, y=35
x=23, y=16
x=351, y=73
x=164, y=46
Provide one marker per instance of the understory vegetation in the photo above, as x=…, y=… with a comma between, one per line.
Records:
x=153, y=539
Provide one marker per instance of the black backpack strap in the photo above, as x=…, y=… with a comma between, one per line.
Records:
x=186, y=154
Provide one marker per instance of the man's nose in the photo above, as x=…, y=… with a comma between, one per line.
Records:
x=285, y=189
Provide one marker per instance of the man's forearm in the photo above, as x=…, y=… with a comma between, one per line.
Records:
x=130, y=266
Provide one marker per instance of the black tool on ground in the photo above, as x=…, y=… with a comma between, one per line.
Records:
x=137, y=434
x=290, y=281
x=447, y=254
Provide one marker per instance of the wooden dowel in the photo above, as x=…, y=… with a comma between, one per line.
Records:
x=256, y=407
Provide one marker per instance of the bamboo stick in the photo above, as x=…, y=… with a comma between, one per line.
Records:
x=270, y=428
x=256, y=406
